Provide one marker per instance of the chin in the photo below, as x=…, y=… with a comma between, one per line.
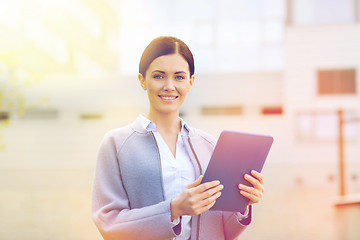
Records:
x=168, y=110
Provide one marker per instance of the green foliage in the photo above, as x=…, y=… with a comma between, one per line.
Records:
x=13, y=80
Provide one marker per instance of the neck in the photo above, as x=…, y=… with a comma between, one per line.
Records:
x=169, y=122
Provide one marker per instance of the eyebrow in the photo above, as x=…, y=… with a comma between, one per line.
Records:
x=179, y=72
x=158, y=71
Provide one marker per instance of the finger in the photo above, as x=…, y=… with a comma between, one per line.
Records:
x=253, y=198
x=203, y=205
x=210, y=201
x=205, y=208
x=205, y=186
x=255, y=182
x=210, y=205
x=196, y=182
x=210, y=192
x=258, y=175
x=199, y=195
x=245, y=188
x=251, y=190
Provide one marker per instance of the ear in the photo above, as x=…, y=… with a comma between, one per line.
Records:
x=192, y=79
x=142, y=81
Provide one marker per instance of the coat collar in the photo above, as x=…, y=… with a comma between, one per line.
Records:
x=142, y=125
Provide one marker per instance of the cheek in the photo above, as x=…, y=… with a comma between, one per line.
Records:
x=151, y=87
x=184, y=92
x=151, y=93
x=187, y=88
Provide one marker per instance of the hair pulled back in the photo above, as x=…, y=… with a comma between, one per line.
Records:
x=164, y=46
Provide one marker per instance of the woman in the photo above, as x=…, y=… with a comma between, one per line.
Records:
x=148, y=175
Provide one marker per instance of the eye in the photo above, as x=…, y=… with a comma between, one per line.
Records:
x=157, y=76
x=179, y=77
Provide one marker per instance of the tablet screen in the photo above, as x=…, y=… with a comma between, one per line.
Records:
x=235, y=154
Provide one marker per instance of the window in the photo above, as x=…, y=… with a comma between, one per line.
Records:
x=222, y=110
x=324, y=126
x=323, y=11
x=40, y=114
x=341, y=81
x=274, y=110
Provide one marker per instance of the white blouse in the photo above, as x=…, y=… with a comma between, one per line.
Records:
x=177, y=172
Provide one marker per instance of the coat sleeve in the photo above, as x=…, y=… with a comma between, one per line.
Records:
x=110, y=205
x=236, y=223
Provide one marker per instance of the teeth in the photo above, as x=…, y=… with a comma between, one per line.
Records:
x=168, y=98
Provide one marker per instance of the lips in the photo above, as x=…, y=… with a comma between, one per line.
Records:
x=168, y=98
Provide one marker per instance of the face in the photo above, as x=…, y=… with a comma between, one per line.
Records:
x=167, y=82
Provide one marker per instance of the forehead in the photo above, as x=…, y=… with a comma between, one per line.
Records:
x=169, y=63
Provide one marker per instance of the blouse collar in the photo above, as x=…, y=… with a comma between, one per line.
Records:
x=150, y=126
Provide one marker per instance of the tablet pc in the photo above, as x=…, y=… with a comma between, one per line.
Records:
x=235, y=154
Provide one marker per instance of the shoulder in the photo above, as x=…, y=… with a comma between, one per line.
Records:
x=116, y=137
x=203, y=136
x=133, y=133
x=121, y=134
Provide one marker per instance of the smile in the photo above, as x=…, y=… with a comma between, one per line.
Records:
x=168, y=98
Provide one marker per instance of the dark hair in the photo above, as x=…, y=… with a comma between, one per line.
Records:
x=163, y=46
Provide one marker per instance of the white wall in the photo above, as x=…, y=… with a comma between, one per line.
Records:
x=309, y=48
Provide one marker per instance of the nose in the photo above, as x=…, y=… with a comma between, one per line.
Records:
x=169, y=85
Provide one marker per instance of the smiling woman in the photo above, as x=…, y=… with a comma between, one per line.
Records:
x=148, y=176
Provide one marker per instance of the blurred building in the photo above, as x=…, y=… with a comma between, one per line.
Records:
x=321, y=76
x=68, y=73
x=268, y=65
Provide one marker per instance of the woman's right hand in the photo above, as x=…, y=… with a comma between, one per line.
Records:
x=196, y=198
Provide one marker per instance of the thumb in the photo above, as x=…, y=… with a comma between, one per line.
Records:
x=197, y=182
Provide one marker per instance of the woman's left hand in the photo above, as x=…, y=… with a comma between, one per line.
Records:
x=254, y=193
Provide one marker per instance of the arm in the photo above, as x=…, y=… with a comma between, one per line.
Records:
x=235, y=223
x=111, y=207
